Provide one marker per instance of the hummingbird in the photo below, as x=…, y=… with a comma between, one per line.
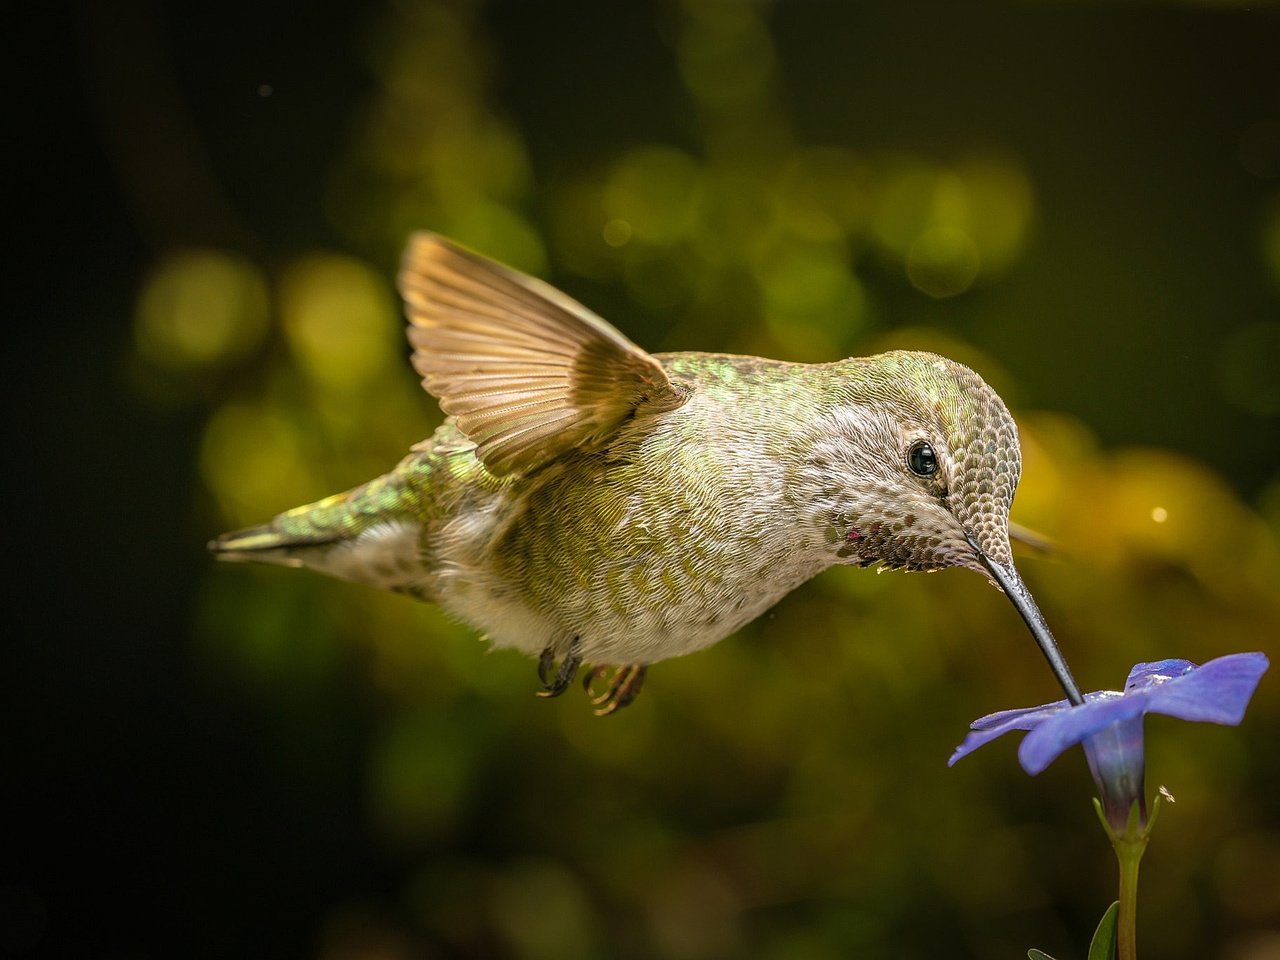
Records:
x=587, y=502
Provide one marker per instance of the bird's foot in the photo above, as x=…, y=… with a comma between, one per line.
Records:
x=624, y=686
x=554, y=685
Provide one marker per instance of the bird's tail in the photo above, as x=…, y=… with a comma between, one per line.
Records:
x=291, y=536
x=367, y=535
x=373, y=534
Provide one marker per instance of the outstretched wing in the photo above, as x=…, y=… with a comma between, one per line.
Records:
x=528, y=372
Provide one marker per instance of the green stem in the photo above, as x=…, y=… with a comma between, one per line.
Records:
x=1129, y=843
x=1129, y=854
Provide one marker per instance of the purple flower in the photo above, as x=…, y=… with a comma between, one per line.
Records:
x=1109, y=723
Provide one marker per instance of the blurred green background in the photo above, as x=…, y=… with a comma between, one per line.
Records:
x=1081, y=200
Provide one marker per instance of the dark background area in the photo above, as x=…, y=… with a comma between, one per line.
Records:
x=205, y=762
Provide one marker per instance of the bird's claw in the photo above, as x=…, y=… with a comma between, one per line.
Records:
x=554, y=685
x=623, y=687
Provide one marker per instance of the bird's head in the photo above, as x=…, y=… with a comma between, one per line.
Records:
x=914, y=465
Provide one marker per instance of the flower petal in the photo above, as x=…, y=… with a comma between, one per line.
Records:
x=1115, y=755
x=1217, y=692
x=1022, y=718
x=995, y=725
x=1161, y=671
x=1046, y=742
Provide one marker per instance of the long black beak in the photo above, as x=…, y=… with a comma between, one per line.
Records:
x=1025, y=604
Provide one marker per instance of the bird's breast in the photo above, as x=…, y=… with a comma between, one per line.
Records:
x=652, y=550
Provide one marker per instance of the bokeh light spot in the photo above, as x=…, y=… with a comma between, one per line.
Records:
x=1159, y=514
x=942, y=262
x=903, y=203
x=201, y=308
x=812, y=301
x=805, y=281
x=340, y=320
x=823, y=192
x=951, y=225
x=617, y=232
x=999, y=205
x=543, y=911
x=726, y=54
x=476, y=160
x=656, y=190
x=502, y=233
x=251, y=459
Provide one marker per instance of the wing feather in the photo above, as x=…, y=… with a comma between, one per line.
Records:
x=528, y=372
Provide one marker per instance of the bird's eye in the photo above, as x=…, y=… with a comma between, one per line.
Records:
x=922, y=460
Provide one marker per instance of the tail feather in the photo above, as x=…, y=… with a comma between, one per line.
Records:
x=370, y=534
x=265, y=544
x=296, y=532
x=315, y=535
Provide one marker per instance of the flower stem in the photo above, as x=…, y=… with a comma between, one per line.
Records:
x=1129, y=843
x=1129, y=852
